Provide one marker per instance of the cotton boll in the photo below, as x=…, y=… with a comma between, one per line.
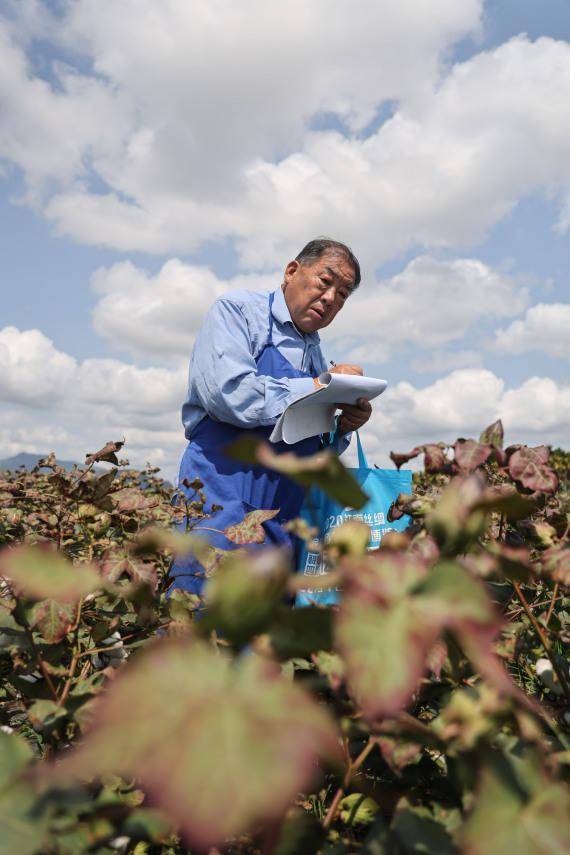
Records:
x=546, y=675
x=114, y=656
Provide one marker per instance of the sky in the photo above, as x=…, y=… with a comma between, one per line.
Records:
x=155, y=154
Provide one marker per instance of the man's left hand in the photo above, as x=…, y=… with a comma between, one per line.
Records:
x=353, y=416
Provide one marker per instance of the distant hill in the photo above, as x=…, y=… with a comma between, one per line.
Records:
x=28, y=461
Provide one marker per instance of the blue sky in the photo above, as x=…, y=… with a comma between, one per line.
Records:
x=109, y=164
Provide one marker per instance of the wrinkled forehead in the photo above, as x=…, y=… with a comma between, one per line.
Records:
x=335, y=263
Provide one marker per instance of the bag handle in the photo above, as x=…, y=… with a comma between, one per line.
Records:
x=362, y=461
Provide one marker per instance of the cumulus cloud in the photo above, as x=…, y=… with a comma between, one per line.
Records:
x=461, y=404
x=96, y=400
x=32, y=370
x=79, y=403
x=429, y=304
x=212, y=138
x=440, y=172
x=160, y=315
x=545, y=327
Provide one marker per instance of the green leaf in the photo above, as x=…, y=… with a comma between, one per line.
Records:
x=493, y=435
x=301, y=632
x=506, y=500
x=300, y=833
x=22, y=830
x=146, y=824
x=242, y=595
x=399, y=753
x=250, y=529
x=508, y=819
x=331, y=666
x=44, y=574
x=456, y=522
x=237, y=742
x=53, y=620
x=357, y=809
x=323, y=470
x=384, y=650
x=556, y=564
x=389, y=621
x=417, y=831
x=45, y=715
x=350, y=538
x=15, y=755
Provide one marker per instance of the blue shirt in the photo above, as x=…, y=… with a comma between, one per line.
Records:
x=223, y=383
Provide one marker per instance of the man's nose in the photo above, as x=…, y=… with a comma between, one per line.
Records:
x=328, y=296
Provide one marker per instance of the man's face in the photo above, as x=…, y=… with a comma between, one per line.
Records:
x=315, y=293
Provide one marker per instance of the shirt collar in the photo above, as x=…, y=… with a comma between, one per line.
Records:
x=281, y=314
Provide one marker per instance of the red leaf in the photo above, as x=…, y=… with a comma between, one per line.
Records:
x=250, y=529
x=198, y=704
x=42, y=574
x=528, y=467
x=470, y=454
x=556, y=564
x=107, y=454
x=53, y=620
x=400, y=459
x=434, y=459
x=131, y=499
x=117, y=562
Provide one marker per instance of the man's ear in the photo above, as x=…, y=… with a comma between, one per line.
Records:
x=290, y=271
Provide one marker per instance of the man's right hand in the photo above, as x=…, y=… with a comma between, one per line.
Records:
x=345, y=368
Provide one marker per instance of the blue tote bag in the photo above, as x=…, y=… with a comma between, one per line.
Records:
x=383, y=487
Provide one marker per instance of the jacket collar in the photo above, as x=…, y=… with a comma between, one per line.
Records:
x=281, y=314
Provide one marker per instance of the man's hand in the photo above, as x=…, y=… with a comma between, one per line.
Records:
x=353, y=416
x=346, y=369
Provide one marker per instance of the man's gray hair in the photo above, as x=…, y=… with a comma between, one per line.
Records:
x=317, y=247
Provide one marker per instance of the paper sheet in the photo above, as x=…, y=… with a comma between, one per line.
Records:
x=315, y=413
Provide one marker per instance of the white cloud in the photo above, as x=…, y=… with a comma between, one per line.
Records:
x=81, y=403
x=545, y=327
x=439, y=361
x=32, y=370
x=160, y=315
x=438, y=174
x=52, y=135
x=97, y=400
x=430, y=304
x=195, y=122
x=463, y=403
x=444, y=169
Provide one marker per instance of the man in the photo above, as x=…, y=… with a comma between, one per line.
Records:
x=255, y=354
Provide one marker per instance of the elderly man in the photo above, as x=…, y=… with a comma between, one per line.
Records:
x=255, y=354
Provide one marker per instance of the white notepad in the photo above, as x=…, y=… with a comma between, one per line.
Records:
x=314, y=413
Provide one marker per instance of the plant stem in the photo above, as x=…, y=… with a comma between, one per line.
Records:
x=552, y=601
x=349, y=774
x=42, y=666
x=544, y=641
x=68, y=682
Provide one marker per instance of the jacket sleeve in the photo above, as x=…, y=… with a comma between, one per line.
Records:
x=223, y=373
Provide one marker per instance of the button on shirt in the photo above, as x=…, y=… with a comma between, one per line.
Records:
x=223, y=382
